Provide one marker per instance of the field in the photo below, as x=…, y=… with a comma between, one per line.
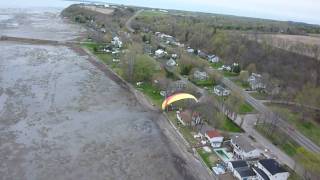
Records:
x=100, y=10
x=308, y=127
x=300, y=44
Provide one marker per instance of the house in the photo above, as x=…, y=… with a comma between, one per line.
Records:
x=174, y=56
x=255, y=81
x=213, y=58
x=188, y=118
x=202, y=54
x=243, y=149
x=200, y=75
x=225, y=68
x=221, y=91
x=160, y=53
x=214, y=138
x=171, y=62
x=270, y=169
x=241, y=170
x=176, y=86
x=116, y=42
x=190, y=50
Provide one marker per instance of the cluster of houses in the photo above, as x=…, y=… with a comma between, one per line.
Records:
x=170, y=40
x=238, y=155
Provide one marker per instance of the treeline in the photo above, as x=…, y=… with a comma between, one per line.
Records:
x=100, y=22
x=283, y=70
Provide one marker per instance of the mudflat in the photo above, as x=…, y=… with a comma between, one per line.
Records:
x=63, y=118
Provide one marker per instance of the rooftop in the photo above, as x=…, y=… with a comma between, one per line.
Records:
x=261, y=173
x=213, y=133
x=243, y=143
x=239, y=164
x=272, y=166
x=246, y=172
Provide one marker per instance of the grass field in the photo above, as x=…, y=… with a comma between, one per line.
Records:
x=210, y=159
x=229, y=74
x=216, y=65
x=230, y=126
x=279, y=139
x=308, y=127
x=151, y=92
x=242, y=84
x=150, y=13
x=259, y=95
x=246, y=108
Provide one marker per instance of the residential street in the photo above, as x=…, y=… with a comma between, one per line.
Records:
x=296, y=135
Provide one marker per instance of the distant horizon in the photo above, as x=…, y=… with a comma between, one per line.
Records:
x=306, y=11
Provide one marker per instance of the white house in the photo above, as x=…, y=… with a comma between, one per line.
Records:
x=243, y=149
x=116, y=42
x=255, y=81
x=221, y=91
x=213, y=58
x=200, y=75
x=241, y=170
x=190, y=50
x=187, y=118
x=171, y=62
x=270, y=169
x=160, y=53
x=214, y=138
x=225, y=68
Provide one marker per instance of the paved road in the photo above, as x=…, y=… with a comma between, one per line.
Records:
x=284, y=125
x=128, y=23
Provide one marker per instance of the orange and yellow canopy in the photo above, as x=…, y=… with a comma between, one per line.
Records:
x=177, y=97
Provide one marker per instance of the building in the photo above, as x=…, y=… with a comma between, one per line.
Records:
x=241, y=170
x=213, y=58
x=225, y=68
x=171, y=62
x=200, y=75
x=255, y=81
x=202, y=54
x=187, y=118
x=214, y=138
x=270, y=169
x=116, y=42
x=190, y=50
x=243, y=149
x=221, y=91
x=160, y=53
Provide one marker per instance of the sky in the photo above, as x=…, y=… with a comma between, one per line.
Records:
x=288, y=10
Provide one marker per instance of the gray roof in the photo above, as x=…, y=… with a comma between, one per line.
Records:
x=272, y=166
x=261, y=173
x=243, y=143
x=239, y=164
x=246, y=172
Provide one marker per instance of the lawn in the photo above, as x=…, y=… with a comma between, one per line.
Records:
x=246, y=108
x=149, y=13
x=216, y=65
x=279, y=139
x=308, y=127
x=229, y=74
x=230, y=126
x=104, y=57
x=243, y=85
x=205, y=83
x=210, y=159
x=152, y=92
x=259, y=95
x=185, y=131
